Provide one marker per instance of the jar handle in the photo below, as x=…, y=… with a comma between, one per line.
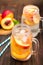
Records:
x=41, y=18
x=35, y=45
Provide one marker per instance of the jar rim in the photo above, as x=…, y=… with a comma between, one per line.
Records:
x=16, y=27
x=29, y=7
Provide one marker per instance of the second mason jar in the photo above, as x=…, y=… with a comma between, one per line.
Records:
x=31, y=17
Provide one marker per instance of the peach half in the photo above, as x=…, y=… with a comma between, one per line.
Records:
x=7, y=23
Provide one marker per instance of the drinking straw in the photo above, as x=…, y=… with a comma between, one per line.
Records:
x=4, y=41
x=4, y=48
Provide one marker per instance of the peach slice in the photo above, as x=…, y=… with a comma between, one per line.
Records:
x=36, y=18
x=21, y=43
x=31, y=23
x=7, y=23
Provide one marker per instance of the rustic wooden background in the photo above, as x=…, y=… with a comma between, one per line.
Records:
x=16, y=6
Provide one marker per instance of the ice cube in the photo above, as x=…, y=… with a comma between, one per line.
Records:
x=24, y=39
x=22, y=31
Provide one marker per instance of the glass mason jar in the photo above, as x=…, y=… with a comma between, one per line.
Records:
x=22, y=42
x=31, y=17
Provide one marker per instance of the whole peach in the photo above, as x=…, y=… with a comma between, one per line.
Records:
x=7, y=13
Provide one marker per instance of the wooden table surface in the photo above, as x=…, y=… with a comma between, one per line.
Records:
x=6, y=58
